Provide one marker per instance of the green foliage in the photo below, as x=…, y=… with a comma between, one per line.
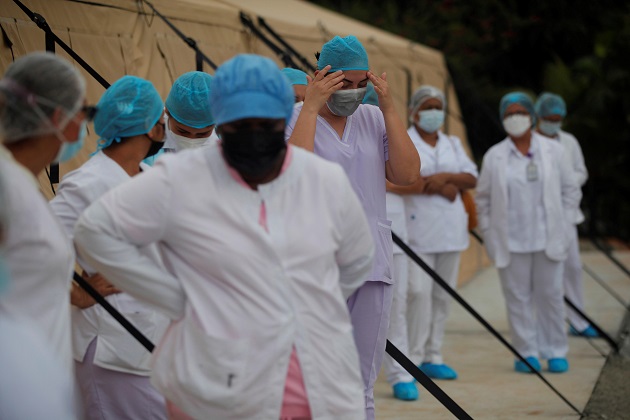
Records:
x=574, y=48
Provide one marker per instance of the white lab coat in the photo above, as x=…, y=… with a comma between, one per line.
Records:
x=573, y=154
x=561, y=197
x=116, y=349
x=40, y=259
x=242, y=297
x=435, y=224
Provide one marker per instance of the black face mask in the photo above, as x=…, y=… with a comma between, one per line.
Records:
x=253, y=153
x=155, y=147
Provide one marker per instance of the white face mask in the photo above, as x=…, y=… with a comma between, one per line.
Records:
x=516, y=125
x=183, y=143
x=549, y=128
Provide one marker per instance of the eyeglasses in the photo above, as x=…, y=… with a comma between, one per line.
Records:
x=89, y=111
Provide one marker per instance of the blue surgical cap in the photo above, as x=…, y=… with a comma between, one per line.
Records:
x=550, y=104
x=130, y=107
x=343, y=54
x=517, y=98
x=295, y=76
x=189, y=100
x=250, y=86
x=371, y=97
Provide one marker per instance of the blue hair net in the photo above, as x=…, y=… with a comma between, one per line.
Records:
x=550, y=104
x=343, y=54
x=295, y=76
x=189, y=100
x=517, y=98
x=130, y=107
x=371, y=97
x=250, y=86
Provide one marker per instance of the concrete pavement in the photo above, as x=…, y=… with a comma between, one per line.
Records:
x=488, y=387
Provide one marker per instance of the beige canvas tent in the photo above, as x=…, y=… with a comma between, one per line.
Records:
x=118, y=37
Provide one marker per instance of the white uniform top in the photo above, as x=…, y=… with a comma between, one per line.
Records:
x=362, y=152
x=434, y=223
x=527, y=225
x=560, y=199
x=573, y=153
x=116, y=348
x=40, y=259
x=242, y=296
x=396, y=213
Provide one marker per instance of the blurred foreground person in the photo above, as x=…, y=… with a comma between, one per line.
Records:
x=43, y=120
x=255, y=289
x=527, y=199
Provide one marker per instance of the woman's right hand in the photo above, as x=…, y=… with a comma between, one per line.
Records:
x=81, y=299
x=321, y=87
x=449, y=191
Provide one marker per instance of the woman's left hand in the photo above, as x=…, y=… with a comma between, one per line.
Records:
x=381, y=88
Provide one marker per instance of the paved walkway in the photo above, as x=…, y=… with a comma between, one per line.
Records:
x=488, y=387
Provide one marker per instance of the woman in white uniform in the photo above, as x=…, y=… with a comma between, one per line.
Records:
x=42, y=120
x=262, y=242
x=551, y=110
x=527, y=199
x=112, y=367
x=437, y=226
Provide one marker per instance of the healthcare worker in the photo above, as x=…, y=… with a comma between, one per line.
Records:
x=402, y=382
x=261, y=243
x=298, y=81
x=437, y=225
x=189, y=122
x=112, y=367
x=527, y=199
x=42, y=120
x=371, y=145
x=551, y=110
x=33, y=383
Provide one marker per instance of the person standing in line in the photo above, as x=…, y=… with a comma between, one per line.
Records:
x=112, y=367
x=43, y=120
x=256, y=290
x=298, y=81
x=187, y=118
x=551, y=111
x=372, y=145
x=437, y=225
x=527, y=200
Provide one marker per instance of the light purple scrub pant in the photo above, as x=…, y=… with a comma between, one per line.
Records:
x=369, y=309
x=112, y=395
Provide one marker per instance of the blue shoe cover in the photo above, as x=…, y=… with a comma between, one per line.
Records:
x=519, y=366
x=589, y=332
x=558, y=365
x=406, y=391
x=438, y=371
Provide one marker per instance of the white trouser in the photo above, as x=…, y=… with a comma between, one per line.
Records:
x=397, y=333
x=532, y=286
x=573, y=285
x=428, y=306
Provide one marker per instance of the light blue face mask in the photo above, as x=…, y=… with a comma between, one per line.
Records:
x=431, y=120
x=4, y=275
x=69, y=150
x=549, y=128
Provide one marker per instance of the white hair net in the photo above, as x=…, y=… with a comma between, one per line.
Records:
x=32, y=88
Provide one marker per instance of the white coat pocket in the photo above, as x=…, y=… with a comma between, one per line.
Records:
x=118, y=350
x=382, y=269
x=197, y=372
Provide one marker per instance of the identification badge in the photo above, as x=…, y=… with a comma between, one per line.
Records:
x=532, y=172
